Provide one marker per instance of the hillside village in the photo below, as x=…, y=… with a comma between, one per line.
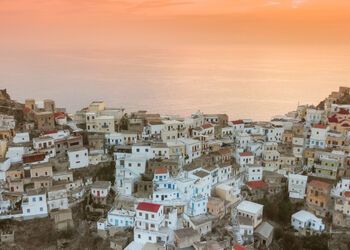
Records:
x=105, y=178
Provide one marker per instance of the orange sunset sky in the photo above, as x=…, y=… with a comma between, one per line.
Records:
x=32, y=24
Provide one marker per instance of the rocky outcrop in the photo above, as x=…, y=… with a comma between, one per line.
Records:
x=11, y=107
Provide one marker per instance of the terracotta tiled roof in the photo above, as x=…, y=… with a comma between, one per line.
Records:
x=320, y=184
x=51, y=132
x=243, y=154
x=33, y=157
x=207, y=125
x=256, y=184
x=347, y=194
x=333, y=119
x=160, y=170
x=239, y=247
x=237, y=122
x=59, y=114
x=343, y=112
x=148, y=207
x=319, y=126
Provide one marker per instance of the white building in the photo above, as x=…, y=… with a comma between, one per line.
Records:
x=342, y=186
x=251, y=210
x=245, y=158
x=242, y=140
x=57, y=197
x=7, y=121
x=45, y=144
x=193, y=149
x=274, y=134
x=254, y=172
x=165, y=188
x=160, y=150
x=129, y=168
x=34, y=204
x=206, y=131
x=121, y=138
x=121, y=218
x=313, y=116
x=318, y=136
x=297, y=186
x=99, y=124
x=15, y=154
x=100, y=190
x=21, y=138
x=142, y=150
x=304, y=220
x=151, y=224
x=78, y=158
x=5, y=164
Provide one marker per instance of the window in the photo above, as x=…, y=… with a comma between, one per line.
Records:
x=40, y=198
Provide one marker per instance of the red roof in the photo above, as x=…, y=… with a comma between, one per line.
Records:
x=319, y=126
x=237, y=122
x=246, y=154
x=161, y=170
x=207, y=125
x=239, y=247
x=148, y=207
x=333, y=119
x=59, y=114
x=33, y=157
x=347, y=194
x=343, y=112
x=256, y=184
x=320, y=184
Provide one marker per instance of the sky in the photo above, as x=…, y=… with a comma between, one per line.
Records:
x=79, y=24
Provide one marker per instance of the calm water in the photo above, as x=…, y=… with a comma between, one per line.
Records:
x=245, y=82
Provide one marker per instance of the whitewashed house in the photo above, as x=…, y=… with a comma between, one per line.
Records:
x=120, y=218
x=206, y=130
x=100, y=191
x=342, y=186
x=160, y=150
x=15, y=154
x=313, y=116
x=297, y=186
x=254, y=172
x=78, y=158
x=142, y=150
x=34, y=204
x=193, y=149
x=128, y=171
x=251, y=210
x=304, y=220
x=165, y=188
x=5, y=164
x=21, y=137
x=318, y=136
x=151, y=224
x=45, y=144
x=274, y=133
x=242, y=140
x=57, y=197
x=245, y=158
